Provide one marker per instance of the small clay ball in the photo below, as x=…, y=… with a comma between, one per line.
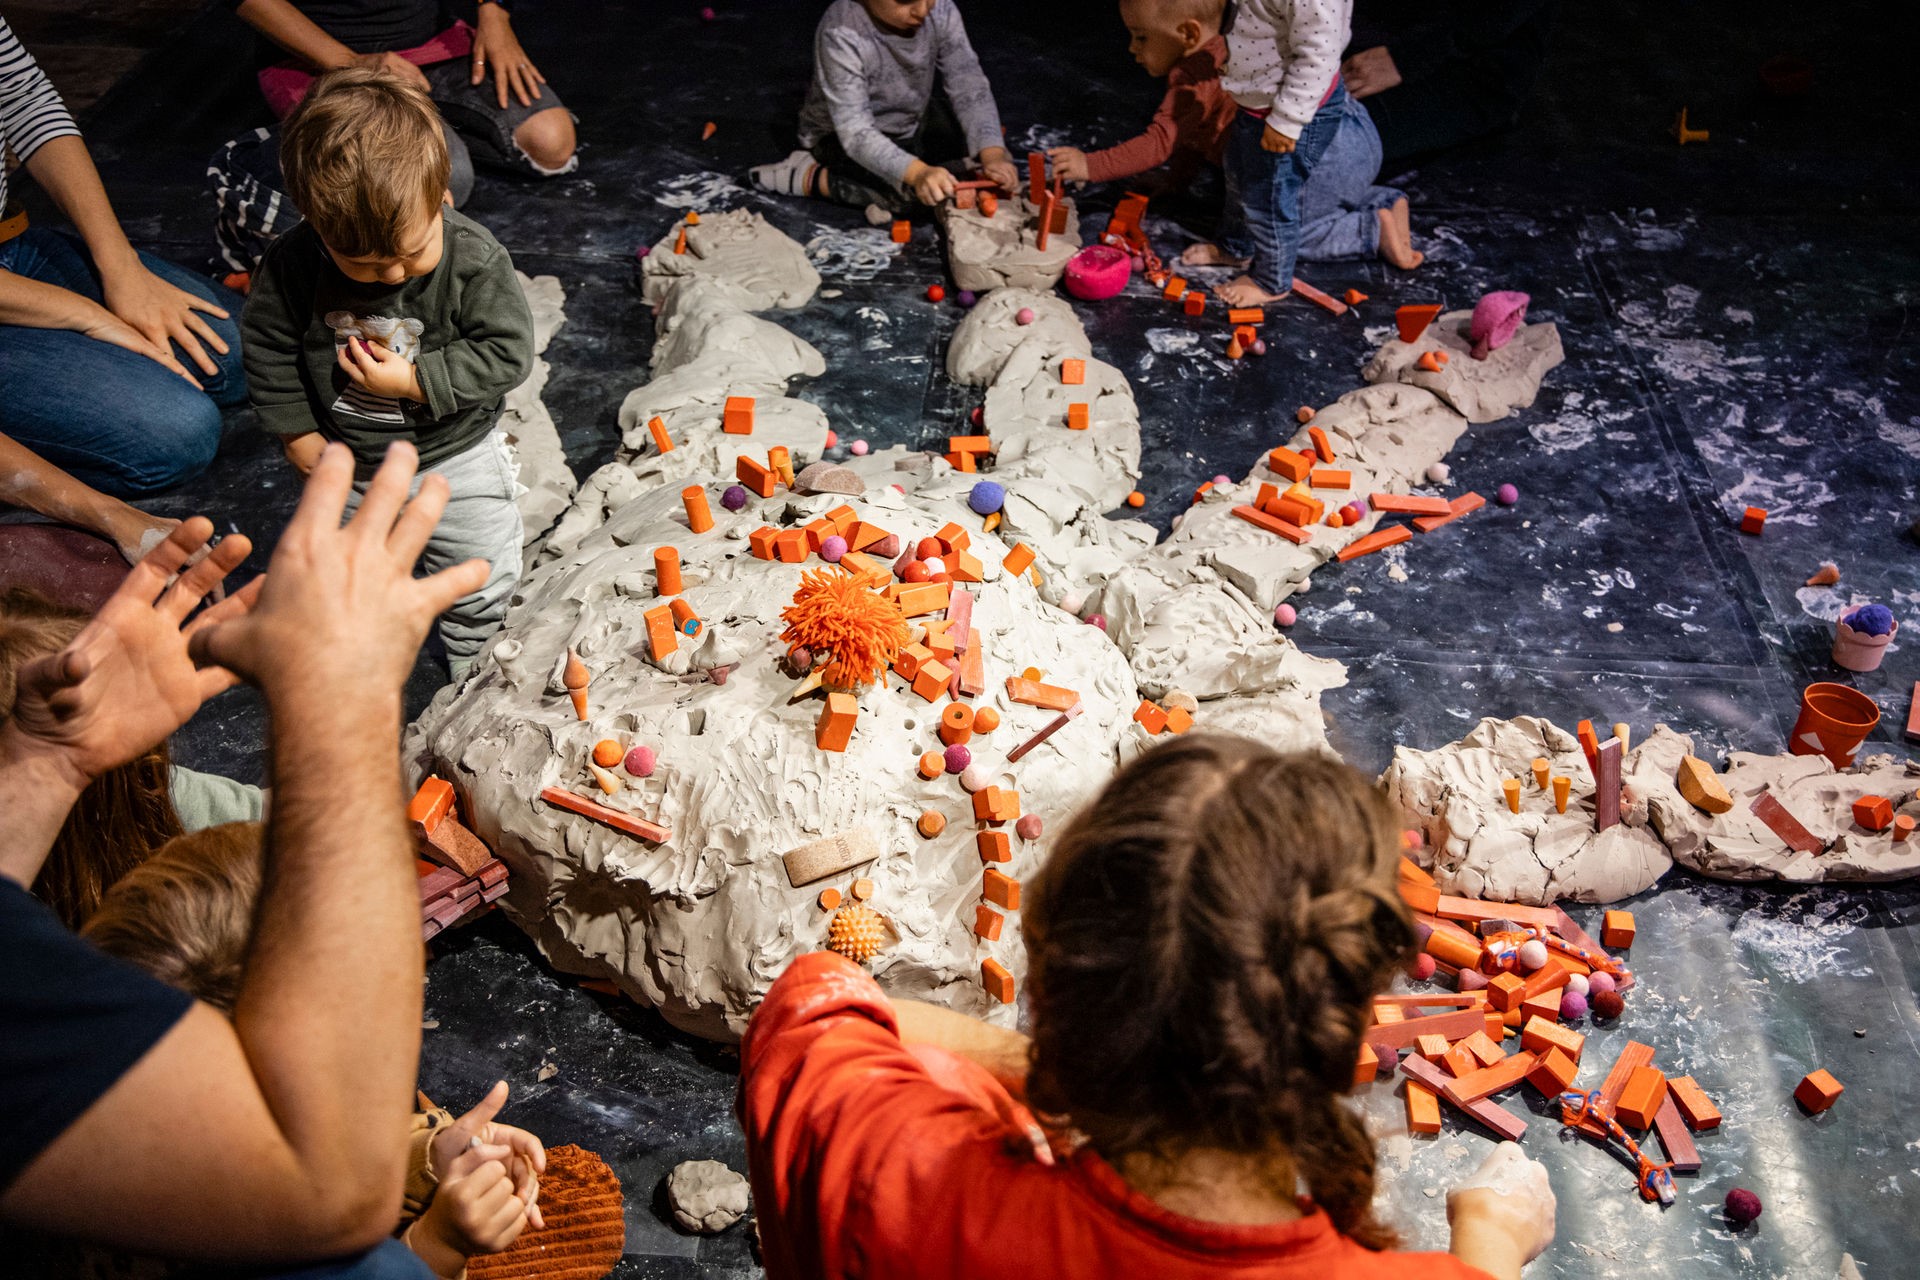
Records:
x=1097, y=620
x=1742, y=1206
x=1533, y=954
x=1422, y=967
x=1578, y=983
x=607, y=753
x=1439, y=472
x=936, y=293
x=1285, y=614
x=832, y=547
x=859, y=448
x=734, y=498
x=1600, y=982
x=986, y=497
x=986, y=720
x=1472, y=980
x=966, y=298
x=958, y=758
x=1573, y=1006
x=1136, y=499
x=972, y=778
x=1608, y=1004
x=1506, y=495
x=1259, y=346
x=1029, y=826
x=640, y=762
x=1023, y=316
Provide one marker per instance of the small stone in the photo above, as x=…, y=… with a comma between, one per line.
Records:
x=957, y=758
x=1533, y=954
x=1573, y=1006
x=1506, y=495
x=832, y=547
x=859, y=448
x=719, y=674
x=1422, y=968
x=1029, y=826
x=1742, y=1206
x=972, y=778
x=1439, y=473
x=966, y=298
x=705, y=1195
x=1285, y=614
x=640, y=762
x=734, y=498
x=986, y=497
x=1023, y=316
x=1097, y=620
x=936, y=293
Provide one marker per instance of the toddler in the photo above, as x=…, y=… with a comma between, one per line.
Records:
x=387, y=316
x=186, y=917
x=871, y=115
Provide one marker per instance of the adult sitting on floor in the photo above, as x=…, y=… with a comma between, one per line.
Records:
x=89, y=377
x=516, y=123
x=131, y=1116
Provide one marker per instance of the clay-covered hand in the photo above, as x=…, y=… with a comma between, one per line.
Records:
x=930, y=183
x=342, y=614
x=1271, y=139
x=1502, y=1214
x=1070, y=163
x=136, y=533
x=394, y=65
x=497, y=51
x=524, y=1154
x=995, y=164
x=161, y=312
x=381, y=370
x=303, y=450
x=128, y=679
x=1370, y=71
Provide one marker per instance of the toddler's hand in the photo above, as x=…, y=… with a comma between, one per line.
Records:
x=477, y=1130
x=1503, y=1213
x=932, y=184
x=477, y=1209
x=381, y=371
x=1271, y=139
x=1070, y=163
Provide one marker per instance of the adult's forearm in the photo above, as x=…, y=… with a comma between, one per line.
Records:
x=65, y=171
x=29, y=480
x=35, y=304
x=295, y=32
x=36, y=794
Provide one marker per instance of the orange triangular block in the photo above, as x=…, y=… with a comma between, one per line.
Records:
x=1413, y=321
x=1429, y=362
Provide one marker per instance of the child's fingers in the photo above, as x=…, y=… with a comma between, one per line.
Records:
x=351, y=369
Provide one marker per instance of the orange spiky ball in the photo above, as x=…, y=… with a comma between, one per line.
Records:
x=856, y=932
x=836, y=612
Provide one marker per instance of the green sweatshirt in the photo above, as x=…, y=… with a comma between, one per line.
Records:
x=465, y=325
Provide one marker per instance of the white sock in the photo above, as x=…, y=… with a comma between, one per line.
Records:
x=790, y=177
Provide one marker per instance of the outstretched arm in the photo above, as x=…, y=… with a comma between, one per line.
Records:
x=29, y=480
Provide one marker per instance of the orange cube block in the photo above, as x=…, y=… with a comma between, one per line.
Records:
x=1179, y=720
x=1753, y=520
x=1079, y=416
x=999, y=888
x=843, y=518
x=932, y=679
x=902, y=231
x=430, y=804
x=790, y=546
x=987, y=922
x=1459, y=1061
x=835, y=726
x=1194, y=303
x=998, y=982
x=1151, y=717
x=736, y=419
x=1073, y=372
x=1423, y=1109
x=1544, y=1005
x=1818, y=1091
x=1616, y=929
x=1020, y=559
x=907, y=663
x=1553, y=1073
x=1875, y=813
x=760, y=542
x=1640, y=1100
x=1504, y=992
x=1175, y=289
x=994, y=846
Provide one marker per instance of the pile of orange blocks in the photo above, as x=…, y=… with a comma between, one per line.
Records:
x=460, y=878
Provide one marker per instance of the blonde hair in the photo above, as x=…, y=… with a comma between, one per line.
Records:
x=364, y=158
x=185, y=915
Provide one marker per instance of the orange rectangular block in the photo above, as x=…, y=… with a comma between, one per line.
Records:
x=615, y=818
x=1420, y=897
x=1176, y=288
x=1423, y=1109
x=1459, y=1061
x=843, y=517
x=1545, y=1004
x=1020, y=559
x=1149, y=715
x=1289, y=463
x=994, y=846
x=1474, y=910
x=430, y=804
x=790, y=546
x=1330, y=478
x=1246, y=315
x=972, y=679
x=756, y=478
x=1411, y=870
x=999, y=888
x=1640, y=1100
x=1296, y=510
x=866, y=567
x=835, y=725
x=1321, y=447
x=1553, y=1073
x=1431, y=1047
x=1078, y=417
x=1487, y=1081
x=1538, y=1035
x=1550, y=976
x=1504, y=992
x=1406, y=504
x=1695, y=1107
x=908, y=661
x=1818, y=1091
x=987, y=922
x=1385, y=1013
x=760, y=542
x=961, y=462
x=998, y=982
x=737, y=418
x=1273, y=524
x=1460, y=506
x=932, y=679
x=969, y=444
x=1378, y=540
x=1366, y=1066
x=818, y=531
x=916, y=598
x=662, y=639
x=1633, y=1056
x=1034, y=694
x=1399, y=1035
x=1073, y=373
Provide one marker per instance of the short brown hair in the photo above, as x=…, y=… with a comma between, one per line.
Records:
x=363, y=158
x=1204, y=945
x=185, y=915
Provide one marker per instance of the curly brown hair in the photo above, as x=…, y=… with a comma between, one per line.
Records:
x=1203, y=946
x=123, y=815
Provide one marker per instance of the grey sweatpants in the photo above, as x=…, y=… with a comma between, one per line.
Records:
x=482, y=522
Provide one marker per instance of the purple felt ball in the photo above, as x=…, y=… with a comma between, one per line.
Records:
x=1097, y=620
x=859, y=448
x=1023, y=316
x=1285, y=614
x=1573, y=1006
x=958, y=758
x=640, y=762
x=986, y=497
x=1472, y=980
x=1223, y=480
x=832, y=547
x=1422, y=967
x=966, y=297
x=1870, y=619
x=1742, y=1206
x=1506, y=495
x=1389, y=1060
x=1259, y=346
x=706, y=15
x=1029, y=826
x=734, y=498
x=1599, y=982
x=1607, y=1004
x=643, y=251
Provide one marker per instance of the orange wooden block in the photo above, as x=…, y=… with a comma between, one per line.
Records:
x=1078, y=416
x=1485, y=1049
x=969, y=444
x=999, y=888
x=993, y=975
x=1616, y=929
x=1538, y=1035
x=1246, y=315
x=662, y=639
x=790, y=546
x=1460, y=506
x=1174, y=289
x=1273, y=524
x=1321, y=448
x=1407, y=504
x=1452, y=948
x=1875, y=813
x=1149, y=715
x=907, y=663
x=866, y=567
x=1289, y=463
x=953, y=537
x=1420, y=897
x=1018, y=560
x=1194, y=303
x=956, y=723
x=699, y=514
x=1487, y=1081
x=1034, y=694
x=916, y=598
x=1543, y=1004
x=1329, y=478
x=1633, y=1056
x=1411, y=870
x=1432, y=1047
x=1640, y=1100
x=780, y=462
x=755, y=477
x=1179, y=720
x=1459, y=1061
x=661, y=440
x=987, y=922
x=1695, y=1107
x=430, y=804
x=965, y=567
x=835, y=726
x=1423, y=1109
x=902, y=231
x=1504, y=992
x=863, y=535
x=1549, y=977
x=994, y=846
x=1553, y=1073
x=1753, y=520
x=1366, y=1066
x=1378, y=540
x=615, y=818
x=932, y=679
x=1413, y=321
x=843, y=517
x=973, y=677
x=736, y=419
x=666, y=571
x=760, y=542
x=1818, y=1091
x=1073, y=373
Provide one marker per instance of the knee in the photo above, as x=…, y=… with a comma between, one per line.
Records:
x=547, y=139
x=175, y=443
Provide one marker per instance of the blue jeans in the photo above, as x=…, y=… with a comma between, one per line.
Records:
x=388, y=1260
x=1262, y=216
x=1338, y=204
x=119, y=421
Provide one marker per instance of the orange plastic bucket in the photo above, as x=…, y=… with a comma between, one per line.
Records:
x=1834, y=720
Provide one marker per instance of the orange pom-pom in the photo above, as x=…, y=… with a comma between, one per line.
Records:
x=838, y=613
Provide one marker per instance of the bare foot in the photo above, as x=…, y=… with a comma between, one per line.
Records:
x=1396, y=236
x=1242, y=291
x=1210, y=255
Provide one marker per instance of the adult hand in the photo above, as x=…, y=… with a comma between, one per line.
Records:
x=395, y=65
x=1070, y=163
x=104, y=326
x=161, y=313
x=380, y=369
x=1271, y=139
x=341, y=609
x=128, y=680
x=524, y=1155
x=497, y=49
x=931, y=184
x=995, y=163
x=1503, y=1212
x=1370, y=71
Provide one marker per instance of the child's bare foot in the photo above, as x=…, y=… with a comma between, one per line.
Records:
x=1243, y=291
x=1209, y=255
x=1396, y=236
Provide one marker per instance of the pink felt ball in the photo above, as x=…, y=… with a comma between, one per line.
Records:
x=1422, y=967
x=1573, y=1006
x=1599, y=982
x=1259, y=346
x=1742, y=1206
x=1023, y=316
x=706, y=15
x=958, y=758
x=1389, y=1061
x=1608, y=1004
x=1472, y=980
x=1285, y=614
x=1223, y=480
x=1577, y=982
x=972, y=778
x=640, y=762
x=1413, y=838
x=1029, y=826
x=1506, y=495
x=1097, y=620
x=832, y=547
x=859, y=448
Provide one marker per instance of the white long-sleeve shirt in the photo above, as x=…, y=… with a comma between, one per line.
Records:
x=31, y=113
x=1282, y=56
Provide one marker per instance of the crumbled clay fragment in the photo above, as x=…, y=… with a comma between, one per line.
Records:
x=706, y=1196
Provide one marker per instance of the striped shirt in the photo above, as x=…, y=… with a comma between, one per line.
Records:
x=31, y=113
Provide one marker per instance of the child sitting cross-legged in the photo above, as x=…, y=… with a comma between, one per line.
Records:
x=186, y=916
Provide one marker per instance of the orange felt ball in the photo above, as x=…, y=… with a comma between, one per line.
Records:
x=986, y=720
x=608, y=753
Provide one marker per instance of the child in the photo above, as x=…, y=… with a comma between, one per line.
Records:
x=1204, y=942
x=1343, y=215
x=1283, y=71
x=387, y=316
x=871, y=116
x=186, y=917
